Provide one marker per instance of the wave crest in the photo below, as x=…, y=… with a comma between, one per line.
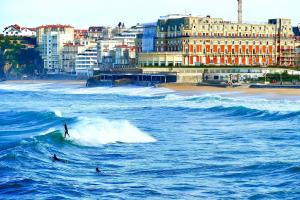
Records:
x=96, y=132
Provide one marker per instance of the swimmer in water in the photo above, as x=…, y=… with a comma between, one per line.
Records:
x=55, y=158
x=98, y=170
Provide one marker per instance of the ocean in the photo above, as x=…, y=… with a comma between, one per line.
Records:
x=149, y=143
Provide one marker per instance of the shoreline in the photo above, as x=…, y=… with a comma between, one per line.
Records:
x=180, y=87
x=243, y=89
x=69, y=82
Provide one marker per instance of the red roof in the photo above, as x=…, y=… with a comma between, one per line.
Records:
x=17, y=26
x=55, y=26
x=31, y=29
x=71, y=44
x=80, y=30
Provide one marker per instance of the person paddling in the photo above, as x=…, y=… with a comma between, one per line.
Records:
x=55, y=158
x=66, y=130
x=98, y=170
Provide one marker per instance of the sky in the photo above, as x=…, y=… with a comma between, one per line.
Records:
x=85, y=13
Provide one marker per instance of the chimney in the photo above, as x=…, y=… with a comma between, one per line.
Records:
x=240, y=11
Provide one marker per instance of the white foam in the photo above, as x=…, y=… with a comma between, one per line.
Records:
x=57, y=113
x=23, y=86
x=128, y=91
x=58, y=88
x=95, y=132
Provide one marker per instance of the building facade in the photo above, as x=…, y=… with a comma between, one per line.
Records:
x=96, y=32
x=120, y=50
x=12, y=30
x=86, y=62
x=125, y=56
x=16, y=30
x=195, y=41
x=297, y=44
x=69, y=54
x=106, y=51
x=51, y=40
x=28, y=32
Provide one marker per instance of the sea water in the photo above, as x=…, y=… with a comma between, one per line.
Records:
x=150, y=143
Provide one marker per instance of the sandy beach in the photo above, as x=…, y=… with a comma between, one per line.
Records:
x=243, y=89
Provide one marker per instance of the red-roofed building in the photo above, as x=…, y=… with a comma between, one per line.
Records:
x=29, y=32
x=17, y=30
x=80, y=34
x=12, y=30
x=58, y=28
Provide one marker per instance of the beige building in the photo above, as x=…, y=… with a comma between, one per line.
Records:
x=213, y=41
x=51, y=40
x=71, y=51
x=297, y=43
x=69, y=54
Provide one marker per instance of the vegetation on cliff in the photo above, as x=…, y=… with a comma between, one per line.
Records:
x=18, y=56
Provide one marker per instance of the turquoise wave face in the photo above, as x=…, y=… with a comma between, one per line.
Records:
x=148, y=142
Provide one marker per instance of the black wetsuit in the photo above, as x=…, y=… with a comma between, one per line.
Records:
x=66, y=130
x=97, y=170
x=55, y=158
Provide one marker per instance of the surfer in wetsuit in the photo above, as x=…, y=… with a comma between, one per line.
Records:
x=66, y=130
x=55, y=158
x=98, y=170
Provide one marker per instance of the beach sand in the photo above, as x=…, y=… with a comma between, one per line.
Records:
x=242, y=89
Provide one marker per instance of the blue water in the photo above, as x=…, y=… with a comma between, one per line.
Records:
x=150, y=143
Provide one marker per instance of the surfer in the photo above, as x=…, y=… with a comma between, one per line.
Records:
x=66, y=130
x=98, y=170
x=55, y=158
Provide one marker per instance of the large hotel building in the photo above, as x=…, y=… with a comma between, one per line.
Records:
x=51, y=40
x=178, y=40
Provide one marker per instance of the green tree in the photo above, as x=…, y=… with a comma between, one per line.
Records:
x=1, y=64
x=22, y=59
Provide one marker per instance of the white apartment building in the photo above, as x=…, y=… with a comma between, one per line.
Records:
x=86, y=63
x=106, y=51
